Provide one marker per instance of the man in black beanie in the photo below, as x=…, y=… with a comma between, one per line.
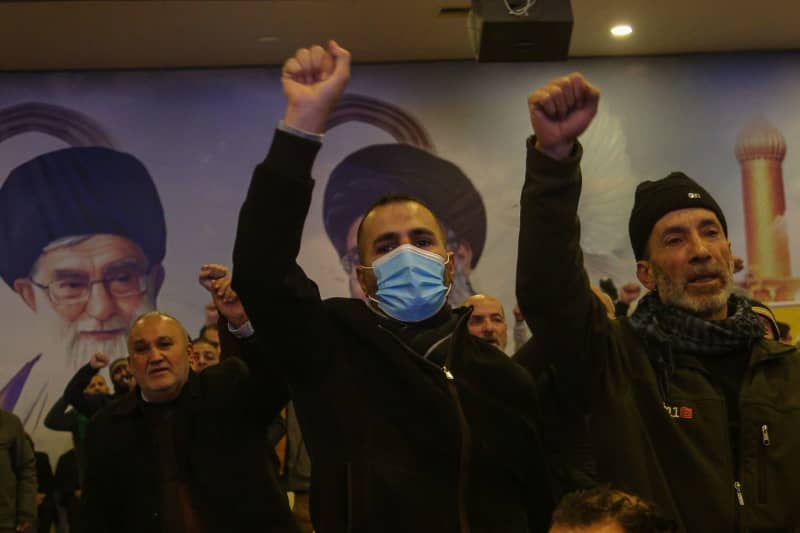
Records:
x=688, y=405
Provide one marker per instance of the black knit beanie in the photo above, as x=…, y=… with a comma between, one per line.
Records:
x=654, y=199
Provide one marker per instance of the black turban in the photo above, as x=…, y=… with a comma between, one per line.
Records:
x=77, y=191
x=366, y=175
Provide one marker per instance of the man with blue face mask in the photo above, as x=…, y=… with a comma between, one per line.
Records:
x=412, y=423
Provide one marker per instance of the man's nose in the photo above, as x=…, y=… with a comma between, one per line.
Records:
x=101, y=305
x=699, y=248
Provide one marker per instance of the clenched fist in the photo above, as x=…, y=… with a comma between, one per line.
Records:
x=560, y=111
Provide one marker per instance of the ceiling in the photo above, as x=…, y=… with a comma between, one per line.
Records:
x=40, y=35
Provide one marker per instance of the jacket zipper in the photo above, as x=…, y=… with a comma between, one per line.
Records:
x=762, y=467
x=466, y=440
x=739, y=496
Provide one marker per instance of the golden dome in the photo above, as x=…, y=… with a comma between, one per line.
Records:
x=760, y=140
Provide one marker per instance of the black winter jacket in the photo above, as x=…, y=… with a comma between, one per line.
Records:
x=674, y=450
x=398, y=443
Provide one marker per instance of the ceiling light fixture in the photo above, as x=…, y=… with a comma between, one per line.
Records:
x=621, y=30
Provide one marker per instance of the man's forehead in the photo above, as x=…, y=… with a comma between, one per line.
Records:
x=399, y=216
x=96, y=252
x=155, y=326
x=484, y=304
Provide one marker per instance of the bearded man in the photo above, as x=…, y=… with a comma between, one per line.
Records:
x=82, y=237
x=687, y=404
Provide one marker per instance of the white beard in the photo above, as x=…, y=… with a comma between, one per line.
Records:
x=65, y=335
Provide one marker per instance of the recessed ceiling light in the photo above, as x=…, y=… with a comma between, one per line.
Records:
x=621, y=30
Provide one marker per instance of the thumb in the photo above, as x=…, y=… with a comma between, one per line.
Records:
x=342, y=58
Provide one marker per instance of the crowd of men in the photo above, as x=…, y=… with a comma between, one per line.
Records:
x=397, y=412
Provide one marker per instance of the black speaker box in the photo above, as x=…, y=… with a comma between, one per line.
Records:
x=541, y=35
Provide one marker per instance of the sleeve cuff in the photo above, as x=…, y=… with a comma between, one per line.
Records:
x=245, y=331
x=309, y=136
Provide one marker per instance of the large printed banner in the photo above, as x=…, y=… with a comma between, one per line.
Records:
x=117, y=186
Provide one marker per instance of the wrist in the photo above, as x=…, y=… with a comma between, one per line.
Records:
x=558, y=152
x=309, y=119
x=237, y=321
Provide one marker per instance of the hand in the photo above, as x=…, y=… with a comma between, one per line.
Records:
x=217, y=280
x=560, y=111
x=99, y=360
x=24, y=526
x=629, y=292
x=518, y=314
x=313, y=81
x=211, y=272
x=40, y=496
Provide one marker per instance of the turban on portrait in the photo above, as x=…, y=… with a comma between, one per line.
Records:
x=364, y=176
x=74, y=192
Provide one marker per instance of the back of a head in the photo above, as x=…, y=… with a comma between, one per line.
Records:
x=597, y=508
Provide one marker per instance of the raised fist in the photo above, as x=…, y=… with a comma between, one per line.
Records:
x=211, y=272
x=99, y=360
x=560, y=111
x=313, y=81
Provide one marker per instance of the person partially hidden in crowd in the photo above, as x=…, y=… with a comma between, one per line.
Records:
x=604, y=510
x=68, y=488
x=288, y=453
x=204, y=354
x=487, y=320
x=412, y=423
x=85, y=394
x=18, y=486
x=189, y=449
x=688, y=405
x=45, y=490
x=121, y=376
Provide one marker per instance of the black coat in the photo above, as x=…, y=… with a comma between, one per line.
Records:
x=397, y=442
x=220, y=438
x=672, y=446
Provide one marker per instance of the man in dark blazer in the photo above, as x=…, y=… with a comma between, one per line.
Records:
x=184, y=452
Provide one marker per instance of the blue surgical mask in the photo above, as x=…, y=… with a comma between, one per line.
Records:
x=410, y=283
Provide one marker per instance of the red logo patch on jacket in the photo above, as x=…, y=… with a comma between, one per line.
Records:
x=686, y=413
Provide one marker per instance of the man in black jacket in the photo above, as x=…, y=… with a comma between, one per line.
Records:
x=687, y=405
x=412, y=423
x=184, y=452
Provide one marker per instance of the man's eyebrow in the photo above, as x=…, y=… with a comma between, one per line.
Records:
x=69, y=273
x=389, y=235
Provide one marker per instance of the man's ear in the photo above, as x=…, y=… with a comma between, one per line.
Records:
x=366, y=280
x=644, y=273
x=24, y=287
x=450, y=266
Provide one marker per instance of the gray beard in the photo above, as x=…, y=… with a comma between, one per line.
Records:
x=674, y=294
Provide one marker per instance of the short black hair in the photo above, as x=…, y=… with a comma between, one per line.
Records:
x=594, y=506
x=388, y=199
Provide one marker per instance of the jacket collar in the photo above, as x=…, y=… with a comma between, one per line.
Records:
x=766, y=350
x=131, y=402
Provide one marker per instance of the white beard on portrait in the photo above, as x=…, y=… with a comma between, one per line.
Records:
x=66, y=335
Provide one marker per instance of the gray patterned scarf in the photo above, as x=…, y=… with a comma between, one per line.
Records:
x=666, y=330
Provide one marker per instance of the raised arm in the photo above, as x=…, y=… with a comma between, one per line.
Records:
x=84, y=404
x=276, y=293
x=238, y=339
x=553, y=289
